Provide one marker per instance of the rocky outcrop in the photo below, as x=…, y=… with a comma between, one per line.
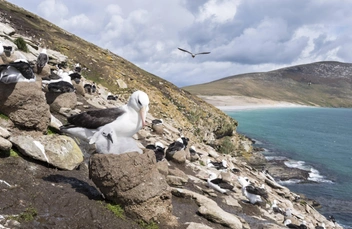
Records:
x=25, y=104
x=57, y=150
x=134, y=181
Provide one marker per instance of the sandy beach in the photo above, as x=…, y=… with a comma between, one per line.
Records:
x=244, y=102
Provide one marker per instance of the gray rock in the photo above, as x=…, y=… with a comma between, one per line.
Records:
x=198, y=226
x=209, y=209
x=5, y=145
x=176, y=156
x=24, y=103
x=61, y=100
x=58, y=150
x=4, y=133
x=133, y=180
x=175, y=181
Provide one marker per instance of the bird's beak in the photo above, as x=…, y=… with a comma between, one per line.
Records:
x=143, y=113
x=109, y=137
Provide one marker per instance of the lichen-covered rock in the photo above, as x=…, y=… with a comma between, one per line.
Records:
x=5, y=145
x=58, y=150
x=133, y=180
x=4, y=133
x=24, y=103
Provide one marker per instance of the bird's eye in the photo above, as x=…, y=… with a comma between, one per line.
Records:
x=139, y=102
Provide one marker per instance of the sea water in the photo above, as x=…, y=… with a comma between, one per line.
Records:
x=315, y=139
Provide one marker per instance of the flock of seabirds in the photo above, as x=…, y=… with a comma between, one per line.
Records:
x=111, y=129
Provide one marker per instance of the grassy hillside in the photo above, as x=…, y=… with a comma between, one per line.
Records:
x=331, y=84
x=176, y=106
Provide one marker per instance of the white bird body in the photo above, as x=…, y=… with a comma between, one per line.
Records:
x=252, y=193
x=121, y=123
x=218, y=184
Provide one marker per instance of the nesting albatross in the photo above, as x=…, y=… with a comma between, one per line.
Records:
x=111, y=127
x=42, y=60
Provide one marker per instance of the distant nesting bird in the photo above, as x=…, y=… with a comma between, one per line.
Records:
x=332, y=219
x=288, y=223
x=8, y=50
x=75, y=76
x=320, y=227
x=218, y=184
x=217, y=165
x=157, y=126
x=276, y=208
x=42, y=60
x=176, y=146
x=252, y=193
x=111, y=97
x=193, y=54
x=192, y=150
x=159, y=150
x=78, y=68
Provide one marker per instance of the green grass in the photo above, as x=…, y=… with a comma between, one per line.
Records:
x=21, y=44
x=2, y=116
x=117, y=210
x=151, y=225
x=28, y=215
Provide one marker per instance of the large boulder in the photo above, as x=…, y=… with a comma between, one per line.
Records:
x=133, y=180
x=57, y=150
x=61, y=100
x=25, y=104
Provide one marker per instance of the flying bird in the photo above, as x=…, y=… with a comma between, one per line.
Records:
x=193, y=54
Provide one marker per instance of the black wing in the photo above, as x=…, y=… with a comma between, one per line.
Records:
x=175, y=146
x=202, y=53
x=95, y=118
x=221, y=183
x=257, y=191
x=184, y=50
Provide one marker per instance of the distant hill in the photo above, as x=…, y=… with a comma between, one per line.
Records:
x=326, y=83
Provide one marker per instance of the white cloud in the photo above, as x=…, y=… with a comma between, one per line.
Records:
x=53, y=9
x=218, y=11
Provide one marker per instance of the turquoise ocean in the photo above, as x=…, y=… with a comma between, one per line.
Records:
x=314, y=139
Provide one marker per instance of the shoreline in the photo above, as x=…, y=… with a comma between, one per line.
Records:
x=231, y=103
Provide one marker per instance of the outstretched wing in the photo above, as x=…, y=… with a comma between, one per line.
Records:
x=202, y=53
x=95, y=118
x=184, y=50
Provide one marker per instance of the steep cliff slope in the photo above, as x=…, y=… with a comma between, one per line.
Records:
x=183, y=110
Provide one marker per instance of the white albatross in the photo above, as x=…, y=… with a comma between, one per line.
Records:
x=219, y=184
x=252, y=193
x=110, y=123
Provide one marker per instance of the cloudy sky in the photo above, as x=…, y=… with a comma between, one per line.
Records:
x=242, y=35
